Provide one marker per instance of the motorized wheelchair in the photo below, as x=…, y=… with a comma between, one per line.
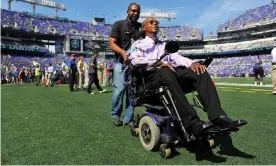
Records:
x=160, y=125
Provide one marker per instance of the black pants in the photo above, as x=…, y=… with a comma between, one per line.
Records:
x=72, y=80
x=93, y=77
x=258, y=71
x=202, y=83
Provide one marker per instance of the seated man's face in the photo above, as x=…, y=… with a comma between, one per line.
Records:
x=151, y=26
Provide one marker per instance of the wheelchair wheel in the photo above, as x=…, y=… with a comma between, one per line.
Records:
x=149, y=133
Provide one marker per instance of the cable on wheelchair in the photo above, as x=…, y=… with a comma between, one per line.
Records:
x=125, y=74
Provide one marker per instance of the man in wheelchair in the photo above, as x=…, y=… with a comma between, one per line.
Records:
x=177, y=73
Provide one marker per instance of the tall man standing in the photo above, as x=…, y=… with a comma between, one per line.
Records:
x=273, y=71
x=72, y=72
x=123, y=34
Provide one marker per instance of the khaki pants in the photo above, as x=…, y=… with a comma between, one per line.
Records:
x=81, y=79
x=273, y=76
x=100, y=76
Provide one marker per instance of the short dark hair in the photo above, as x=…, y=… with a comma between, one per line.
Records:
x=133, y=4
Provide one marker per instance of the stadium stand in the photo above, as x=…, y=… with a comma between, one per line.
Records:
x=103, y=30
x=180, y=33
x=23, y=44
x=38, y=23
x=238, y=66
x=42, y=24
x=214, y=44
x=250, y=18
x=246, y=45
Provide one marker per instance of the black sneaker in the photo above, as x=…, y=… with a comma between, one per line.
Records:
x=117, y=122
x=130, y=124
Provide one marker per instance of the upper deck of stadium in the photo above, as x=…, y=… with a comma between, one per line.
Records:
x=29, y=22
x=250, y=18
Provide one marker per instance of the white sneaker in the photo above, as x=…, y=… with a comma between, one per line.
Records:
x=92, y=93
x=102, y=91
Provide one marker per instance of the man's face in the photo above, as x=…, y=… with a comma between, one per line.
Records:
x=134, y=13
x=151, y=26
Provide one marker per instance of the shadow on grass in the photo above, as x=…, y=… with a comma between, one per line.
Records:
x=202, y=150
x=226, y=147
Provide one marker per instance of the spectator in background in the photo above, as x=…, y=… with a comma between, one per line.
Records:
x=43, y=72
x=38, y=75
x=45, y=77
x=258, y=72
x=273, y=71
x=110, y=68
x=92, y=71
x=123, y=34
x=81, y=72
x=32, y=75
x=100, y=72
x=8, y=76
x=50, y=75
x=22, y=76
x=72, y=72
x=27, y=75
x=15, y=75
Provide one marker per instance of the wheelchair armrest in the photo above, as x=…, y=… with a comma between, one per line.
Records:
x=206, y=62
x=139, y=69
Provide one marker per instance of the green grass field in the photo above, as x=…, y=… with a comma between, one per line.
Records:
x=241, y=80
x=52, y=126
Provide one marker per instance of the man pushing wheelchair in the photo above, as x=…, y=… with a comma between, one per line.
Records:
x=172, y=71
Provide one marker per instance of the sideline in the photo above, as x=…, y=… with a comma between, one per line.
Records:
x=243, y=84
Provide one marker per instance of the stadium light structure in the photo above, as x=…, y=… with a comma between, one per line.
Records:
x=9, y=4
x=168, y=16
x=45, y=3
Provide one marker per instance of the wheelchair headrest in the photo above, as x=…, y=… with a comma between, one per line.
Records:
x=172, y=46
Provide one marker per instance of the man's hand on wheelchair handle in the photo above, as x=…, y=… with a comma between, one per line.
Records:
x=198, y=68
x=125, y=56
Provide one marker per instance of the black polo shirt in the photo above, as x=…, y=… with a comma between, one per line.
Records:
x=125, y=33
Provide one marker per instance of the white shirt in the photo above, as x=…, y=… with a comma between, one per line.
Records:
x=50, y=69
x=273, y=53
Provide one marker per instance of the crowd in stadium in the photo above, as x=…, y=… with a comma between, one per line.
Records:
x=221, y=67
x=12, y=66
x=29, y=22
x=250, y=18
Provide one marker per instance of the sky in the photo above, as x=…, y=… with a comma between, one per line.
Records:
x=203, y=14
